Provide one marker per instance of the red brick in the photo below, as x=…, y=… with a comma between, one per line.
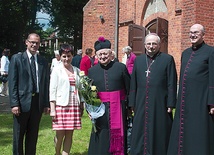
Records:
x=193, y=11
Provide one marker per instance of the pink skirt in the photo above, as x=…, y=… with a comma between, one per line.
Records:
x=67, y=118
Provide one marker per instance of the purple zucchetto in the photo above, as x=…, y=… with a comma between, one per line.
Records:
x=102, y=43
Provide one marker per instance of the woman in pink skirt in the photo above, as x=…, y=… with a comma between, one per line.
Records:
x=66, y=105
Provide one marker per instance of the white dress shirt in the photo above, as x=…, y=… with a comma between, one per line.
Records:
x=4, y=64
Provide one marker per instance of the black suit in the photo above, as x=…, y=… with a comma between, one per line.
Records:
x=31, y=106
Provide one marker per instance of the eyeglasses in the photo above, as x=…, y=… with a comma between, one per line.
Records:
x=194, y=33
x=33, y=42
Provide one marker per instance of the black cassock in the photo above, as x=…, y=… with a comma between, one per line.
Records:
x=112, y=77
x=150, y=96
x=193, y=130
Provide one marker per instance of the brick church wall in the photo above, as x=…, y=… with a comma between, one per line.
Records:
x=181, y=15
x=93, y=28
x=126, y=9
x=198, y=11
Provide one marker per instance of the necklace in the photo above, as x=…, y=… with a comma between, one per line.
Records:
x=148, y=67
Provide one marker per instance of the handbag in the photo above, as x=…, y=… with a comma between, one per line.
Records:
x=3, y=78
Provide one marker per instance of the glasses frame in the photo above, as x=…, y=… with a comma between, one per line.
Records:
x=33, y=42
x=194, y=33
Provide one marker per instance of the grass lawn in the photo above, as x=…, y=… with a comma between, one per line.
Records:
x=45, y=145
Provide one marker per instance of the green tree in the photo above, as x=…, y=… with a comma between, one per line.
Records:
x=67, y=18
x=18, y=19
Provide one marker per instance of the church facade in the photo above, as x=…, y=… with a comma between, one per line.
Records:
x=127, y=22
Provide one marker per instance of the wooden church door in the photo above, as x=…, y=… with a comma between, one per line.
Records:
x=136, y=38
x=162, y=31
x=137, y=35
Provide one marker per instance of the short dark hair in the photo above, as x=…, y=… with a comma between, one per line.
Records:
x=88, y=51
x=6, y=51
x=31, y=34
x=66, y=48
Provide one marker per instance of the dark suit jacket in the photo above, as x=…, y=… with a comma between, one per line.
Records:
x=20, y=82
x=76, y=60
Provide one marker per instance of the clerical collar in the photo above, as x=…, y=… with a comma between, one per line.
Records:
x=194, y=48
x=107, y=65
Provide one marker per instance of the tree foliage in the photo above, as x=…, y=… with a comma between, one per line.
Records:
x=18, y=19
x=67, y=18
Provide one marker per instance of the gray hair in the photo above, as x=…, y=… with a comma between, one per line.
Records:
x=152, y=34
x=113, y=53
x=127, y=49
x=203, y=29
x=79, y=52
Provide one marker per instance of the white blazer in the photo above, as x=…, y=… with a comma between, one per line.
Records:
x=60, y=86
x=54, y=63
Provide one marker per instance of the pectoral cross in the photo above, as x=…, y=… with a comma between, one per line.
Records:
x=147, y=72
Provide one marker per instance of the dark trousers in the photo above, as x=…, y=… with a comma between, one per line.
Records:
x=25, y=128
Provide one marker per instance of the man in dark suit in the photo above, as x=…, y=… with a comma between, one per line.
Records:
x=77, y=59
x=28, y=92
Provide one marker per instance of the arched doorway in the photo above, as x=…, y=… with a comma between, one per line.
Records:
x=159, y=26
x=137, y=35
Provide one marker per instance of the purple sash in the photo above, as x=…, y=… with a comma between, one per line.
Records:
x=116, y=120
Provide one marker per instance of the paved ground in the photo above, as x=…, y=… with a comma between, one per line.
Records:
x=4, y=104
